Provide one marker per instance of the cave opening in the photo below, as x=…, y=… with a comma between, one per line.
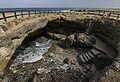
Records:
x=71, y=51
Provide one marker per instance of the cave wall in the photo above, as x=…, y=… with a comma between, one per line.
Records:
x=11, y=39
x=109, y=29
x=66, y=27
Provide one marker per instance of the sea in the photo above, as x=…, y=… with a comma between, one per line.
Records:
x=38, y=9
x=51, y=9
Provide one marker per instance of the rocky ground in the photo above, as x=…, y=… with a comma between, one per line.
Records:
x=67, y=60
x=59, y=64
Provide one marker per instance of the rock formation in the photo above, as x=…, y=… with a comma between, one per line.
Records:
x=72, y=30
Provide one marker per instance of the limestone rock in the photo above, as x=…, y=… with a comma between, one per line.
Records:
x=13, y=37
x=71, y=37
x=57, y=36
x=4, y=27
x=102, y=61
x=1, y=30
x=6, y=79
x=5, y=41
x=66, y=60
x=18, y=33
x=83, y=40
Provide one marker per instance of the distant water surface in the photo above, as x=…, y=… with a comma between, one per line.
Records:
x=53, y=9
x=33, y=9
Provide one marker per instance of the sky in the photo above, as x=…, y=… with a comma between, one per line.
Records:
x=60, y=3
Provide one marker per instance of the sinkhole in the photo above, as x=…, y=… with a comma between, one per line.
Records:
x=65, y=51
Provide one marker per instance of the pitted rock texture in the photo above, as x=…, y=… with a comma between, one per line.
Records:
x=12, y=38
x=106, y=30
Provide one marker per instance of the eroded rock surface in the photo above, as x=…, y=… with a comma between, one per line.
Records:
x=12, y=38
x=64, y=64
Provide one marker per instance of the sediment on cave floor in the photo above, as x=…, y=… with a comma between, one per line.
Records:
x=65, y=51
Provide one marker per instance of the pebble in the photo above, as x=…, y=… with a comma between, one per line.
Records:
x=65, y=66
x=51, y=55
x=41, y=70
x=14, y=71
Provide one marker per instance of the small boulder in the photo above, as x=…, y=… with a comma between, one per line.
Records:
x=83, y=40
x=102, y=60
x=57, y=36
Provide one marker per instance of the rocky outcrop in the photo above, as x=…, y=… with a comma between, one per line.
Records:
x=12, y=38
x=106, y=30
x=13, y=33
x=57, y=36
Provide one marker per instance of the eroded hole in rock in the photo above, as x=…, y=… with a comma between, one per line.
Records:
x=64, y=51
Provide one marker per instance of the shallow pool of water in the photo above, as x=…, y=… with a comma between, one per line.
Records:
x=33, y=52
